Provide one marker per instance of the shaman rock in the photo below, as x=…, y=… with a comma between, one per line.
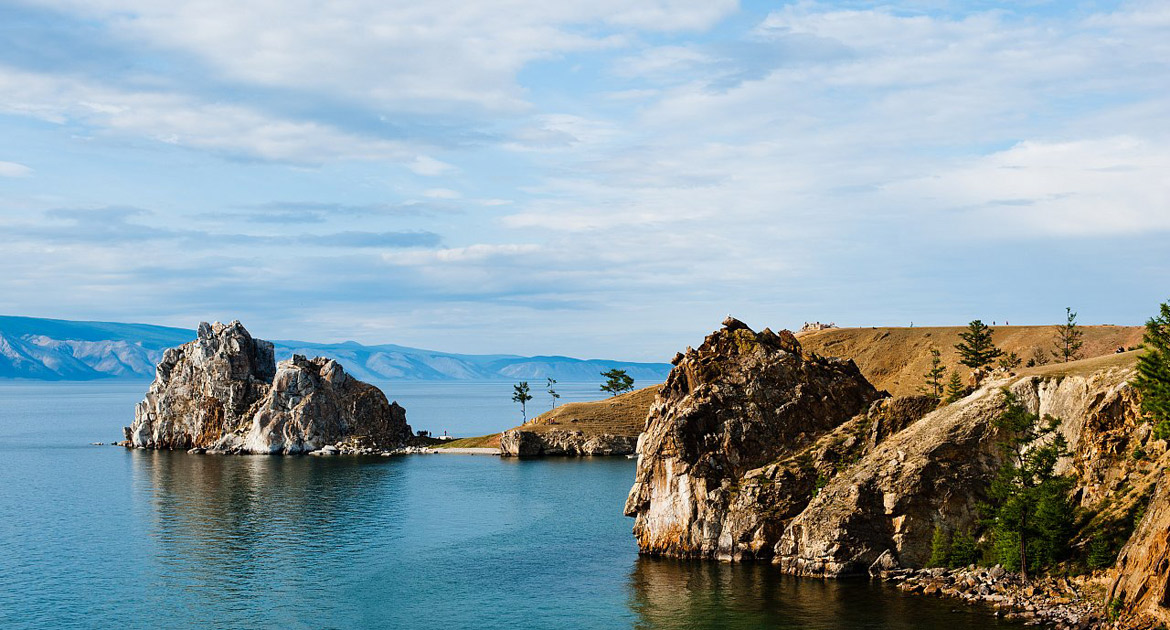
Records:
x=225, y=392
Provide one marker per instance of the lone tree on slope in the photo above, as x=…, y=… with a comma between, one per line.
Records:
x=552, y=392
x=1153, y=378
x=1069, y=338
x=520, y=394
x=955, y=388
x=934, y=376
x=976, y=349
x=617, y=382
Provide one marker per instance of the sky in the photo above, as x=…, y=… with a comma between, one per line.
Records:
x=600, y=178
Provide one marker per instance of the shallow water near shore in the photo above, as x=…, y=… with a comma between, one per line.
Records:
x=99, y=537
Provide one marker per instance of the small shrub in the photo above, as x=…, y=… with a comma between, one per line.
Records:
x=964, y=550
x=940, y=548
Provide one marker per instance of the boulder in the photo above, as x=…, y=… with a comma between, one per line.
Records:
x=224, y=392
x=741, y=400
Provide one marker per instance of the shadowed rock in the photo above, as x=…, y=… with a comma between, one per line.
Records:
x=741, y=400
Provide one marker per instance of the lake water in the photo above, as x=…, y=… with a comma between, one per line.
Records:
x=102, y=537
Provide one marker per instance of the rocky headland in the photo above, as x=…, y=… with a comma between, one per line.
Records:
x=757, y=450
x=602, y=427
x=224, y=392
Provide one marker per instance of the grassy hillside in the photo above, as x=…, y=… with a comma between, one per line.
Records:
x=894, y=359
x=619, y=415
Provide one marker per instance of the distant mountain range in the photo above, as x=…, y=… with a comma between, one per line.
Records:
x=61, y=350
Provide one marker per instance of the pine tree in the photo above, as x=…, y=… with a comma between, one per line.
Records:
x=1010, y=361
x=976, y=349
x=955, y=388
x=940, y=548
x=934, y=376
x=1068, y=338
x=520, y=394
x=1153, y=378
x=617, y=382
x=1031, y=515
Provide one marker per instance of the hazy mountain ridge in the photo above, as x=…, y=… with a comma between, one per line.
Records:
x=60, y=350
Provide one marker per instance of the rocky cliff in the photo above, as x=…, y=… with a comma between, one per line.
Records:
x=754, y=451
x=225, y=392
x=740, y=400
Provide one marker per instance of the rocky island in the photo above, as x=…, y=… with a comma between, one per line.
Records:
x=224, y=392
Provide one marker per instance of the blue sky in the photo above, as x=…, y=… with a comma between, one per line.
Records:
x=603, y=178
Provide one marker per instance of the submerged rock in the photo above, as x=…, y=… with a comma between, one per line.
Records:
x=224, y=392
x=741, y=400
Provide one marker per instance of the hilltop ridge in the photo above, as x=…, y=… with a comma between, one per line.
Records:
x=895, y=358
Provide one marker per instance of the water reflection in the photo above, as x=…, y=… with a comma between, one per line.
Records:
x=226, y=528
x=668, y=594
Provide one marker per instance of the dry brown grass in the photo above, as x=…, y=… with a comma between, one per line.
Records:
x=483, y=441
x=894, y=359
x=619, y=415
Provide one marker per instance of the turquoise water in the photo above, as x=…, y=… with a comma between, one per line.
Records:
x=102, y=537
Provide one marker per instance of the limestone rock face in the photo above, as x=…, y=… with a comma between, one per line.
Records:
x=522, y=443
x=224, y=392
x=740, y=401
x=203, y=389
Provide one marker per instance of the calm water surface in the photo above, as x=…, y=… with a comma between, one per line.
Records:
x=101, y=537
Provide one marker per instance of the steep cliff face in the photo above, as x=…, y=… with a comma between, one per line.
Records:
x=741, y=400
x=224, y=392
x=1141, y=578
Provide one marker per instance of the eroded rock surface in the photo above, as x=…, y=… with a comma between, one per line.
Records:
x=522, y=443
x=935, y=472
x=741, y=400
x=224, y=392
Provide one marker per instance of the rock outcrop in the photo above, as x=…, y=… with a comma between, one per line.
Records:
x=224, y=392
x=741, y=400
x=935, y=473
x=1141, y=578
x=524, y=443
x=601, y=427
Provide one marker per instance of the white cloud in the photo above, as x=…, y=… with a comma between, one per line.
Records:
x=13, y=169
x=402, y=54
x=428, y=166
x=441, y=193
x=187, y=121
x=1080, y=188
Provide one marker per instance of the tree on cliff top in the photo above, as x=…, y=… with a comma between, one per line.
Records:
x=1068, y=338
x=934, y=376
x=520, y=394
x=1153, y=378
x=976, y=350
x=617, y=382
x=1031, y=515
